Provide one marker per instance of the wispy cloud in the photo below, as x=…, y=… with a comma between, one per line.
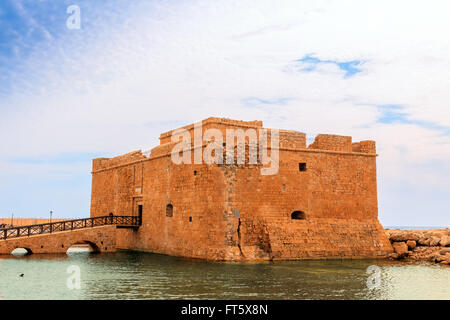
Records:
x=259, y=102
x=310, y=63
x=32, y=24
x=395, y=114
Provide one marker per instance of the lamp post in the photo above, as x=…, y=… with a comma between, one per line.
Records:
x=51, y=212
x=12, y=219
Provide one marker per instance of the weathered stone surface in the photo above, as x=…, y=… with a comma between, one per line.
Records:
x=434, y=241
x=232, y=212
x=433, y=237
x=400, y=248
x=427, y=247
x=411, y=244
x=424, y=241
x=404, y=236
x=393, y=255
x=445, y=241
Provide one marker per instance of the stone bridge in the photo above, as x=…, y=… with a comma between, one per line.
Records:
x=99, y=233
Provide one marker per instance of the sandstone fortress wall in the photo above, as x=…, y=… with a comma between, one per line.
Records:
x=321, y=203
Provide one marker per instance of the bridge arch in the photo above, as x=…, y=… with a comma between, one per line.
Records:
x=90, y=232
x=91, y=246
x=20, y=251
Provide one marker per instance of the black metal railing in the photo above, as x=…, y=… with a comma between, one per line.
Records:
x=66, y=225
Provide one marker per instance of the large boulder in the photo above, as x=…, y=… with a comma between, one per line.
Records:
x=445, y=241
x=434, y=241
x=411, y=244
x=439, y=258
x=424, y=241
x=431, y=241
x=393, y=255
x=446, y=259
x=401, y=249
x=400, y=236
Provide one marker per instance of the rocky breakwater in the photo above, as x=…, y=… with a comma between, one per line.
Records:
x=421, y=245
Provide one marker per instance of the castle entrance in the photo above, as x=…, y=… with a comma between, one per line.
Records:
x=138, y=208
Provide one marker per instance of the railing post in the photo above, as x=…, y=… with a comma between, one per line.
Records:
x=4, y=234
x=18, y=232
x=51, y=227
x=71, y=225
x=29, y=230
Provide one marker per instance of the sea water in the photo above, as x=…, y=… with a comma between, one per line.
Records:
x=137, y=275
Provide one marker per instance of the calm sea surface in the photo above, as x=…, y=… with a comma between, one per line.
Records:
x=133, y=275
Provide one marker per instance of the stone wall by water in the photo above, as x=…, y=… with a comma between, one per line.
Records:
x=321, y=203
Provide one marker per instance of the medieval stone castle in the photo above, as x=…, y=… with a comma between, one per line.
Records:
x=322, y=202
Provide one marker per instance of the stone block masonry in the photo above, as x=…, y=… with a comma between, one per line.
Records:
x=322, y=203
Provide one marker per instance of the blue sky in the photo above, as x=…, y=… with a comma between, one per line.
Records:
x=138, y=68
x=350, y=68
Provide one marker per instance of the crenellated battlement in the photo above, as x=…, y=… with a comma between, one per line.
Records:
x=365, y=146
x=291, y=139
x=332, y=143
x=104, y=163
x=212, y=123
x=288, y=139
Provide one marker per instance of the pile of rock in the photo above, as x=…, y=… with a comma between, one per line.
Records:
x=430, y=245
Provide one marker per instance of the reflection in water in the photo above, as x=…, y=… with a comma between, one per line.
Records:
x=79, y=248
x=20, y=252
x=133, y=275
